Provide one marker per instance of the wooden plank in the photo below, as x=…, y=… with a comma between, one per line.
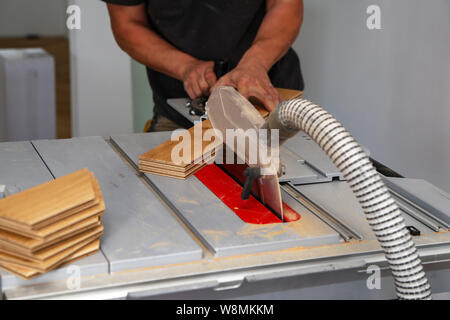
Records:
x=88, y=260
x=70, y=247
x=52, y=251
x=172, y=174
x=61, y=227
x=27, y=246
x=163, y=152
x=162, y=166
x=21, y=168
x=28, y=273
x=41, y=205
x=97, y=210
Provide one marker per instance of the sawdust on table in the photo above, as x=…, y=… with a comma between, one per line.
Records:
x=217, y=235
x=268, y=231
x=187, y=200
x=160, y=244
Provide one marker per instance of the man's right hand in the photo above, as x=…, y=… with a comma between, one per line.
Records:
x=198, y=78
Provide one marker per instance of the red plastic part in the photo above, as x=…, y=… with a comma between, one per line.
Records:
x=229, y=191
x=289, y=214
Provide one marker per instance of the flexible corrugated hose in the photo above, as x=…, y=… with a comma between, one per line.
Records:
x=380, y=208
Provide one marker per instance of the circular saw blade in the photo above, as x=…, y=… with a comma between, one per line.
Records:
x=228, y=109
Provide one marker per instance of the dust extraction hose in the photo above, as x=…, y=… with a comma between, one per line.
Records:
x=379, y=207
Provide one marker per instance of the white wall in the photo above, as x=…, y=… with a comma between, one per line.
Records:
x=101, y=76
x=142, y=96
x=389, y=87
x=21, y=17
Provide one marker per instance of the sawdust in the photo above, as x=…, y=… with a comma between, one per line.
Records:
x=217, y=235
x=160, y=244
x=309, y=225
x=268, y=231
x=187, y=200
x=297, y=227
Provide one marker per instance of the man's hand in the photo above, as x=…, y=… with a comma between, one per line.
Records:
x=251, y=80
x=199, y=78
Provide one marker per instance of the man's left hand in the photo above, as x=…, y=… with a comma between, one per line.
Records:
x=251, y=80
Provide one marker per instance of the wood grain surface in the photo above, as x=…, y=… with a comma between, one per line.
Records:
x=29, y=273
x=51, y=224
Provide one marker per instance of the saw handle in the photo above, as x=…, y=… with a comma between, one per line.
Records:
x=251, y=173
x=197, y=106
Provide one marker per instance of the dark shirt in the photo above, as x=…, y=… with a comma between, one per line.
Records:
x=209, y=30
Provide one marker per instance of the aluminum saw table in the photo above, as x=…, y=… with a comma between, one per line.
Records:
x=171, y=238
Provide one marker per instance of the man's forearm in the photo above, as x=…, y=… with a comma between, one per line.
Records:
x=276, y=34
x=135, y=37
x=149, y=49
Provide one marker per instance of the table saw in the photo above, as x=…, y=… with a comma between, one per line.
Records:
x=172, y=238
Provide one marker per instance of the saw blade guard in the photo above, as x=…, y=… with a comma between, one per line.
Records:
x=235, y=117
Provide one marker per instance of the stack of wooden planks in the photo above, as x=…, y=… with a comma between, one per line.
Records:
x=50, y=225
x=159, y=160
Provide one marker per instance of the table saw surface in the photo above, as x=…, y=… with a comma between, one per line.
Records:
x=168, y=236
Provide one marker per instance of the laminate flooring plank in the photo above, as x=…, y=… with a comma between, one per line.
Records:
x=21, y=168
